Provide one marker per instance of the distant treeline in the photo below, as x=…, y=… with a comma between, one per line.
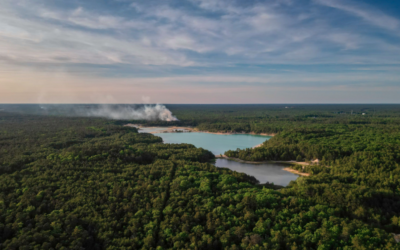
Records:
x=276, y=118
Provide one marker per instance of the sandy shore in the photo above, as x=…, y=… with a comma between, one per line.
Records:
x=235, y=133
x=259, y=145
x=264, y=134
x=296, y=172
x=231, y=133
x=191, y=129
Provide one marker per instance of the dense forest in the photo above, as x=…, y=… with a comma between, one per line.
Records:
x=88, y=183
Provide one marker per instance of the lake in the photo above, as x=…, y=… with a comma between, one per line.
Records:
x=263, y=172
x=219, y=143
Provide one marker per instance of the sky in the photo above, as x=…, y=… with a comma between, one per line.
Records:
x=200, y=51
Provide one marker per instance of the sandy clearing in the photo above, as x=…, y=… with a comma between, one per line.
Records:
x=259, y=145
x=296, y=172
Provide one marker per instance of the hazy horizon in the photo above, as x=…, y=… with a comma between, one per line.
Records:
x=141, y=103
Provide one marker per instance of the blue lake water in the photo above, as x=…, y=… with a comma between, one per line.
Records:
x=263, y=172
x=218, y=144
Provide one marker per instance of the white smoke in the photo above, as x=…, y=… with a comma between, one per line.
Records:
x=146, y=112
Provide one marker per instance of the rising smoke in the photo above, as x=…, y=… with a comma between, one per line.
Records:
x=151, y=112
x=146, y=112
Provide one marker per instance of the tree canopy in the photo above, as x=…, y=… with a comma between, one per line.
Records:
x=80, y=183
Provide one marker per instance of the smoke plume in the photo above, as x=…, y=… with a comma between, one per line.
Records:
x=110, y=111
x=146, y=112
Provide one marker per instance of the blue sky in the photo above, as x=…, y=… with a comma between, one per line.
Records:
x=200, y=51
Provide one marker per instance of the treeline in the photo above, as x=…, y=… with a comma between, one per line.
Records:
x=358, y=173
x=276, y=118
x=75, y=183
x=324, y=142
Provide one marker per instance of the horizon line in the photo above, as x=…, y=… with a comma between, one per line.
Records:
x=199, y=103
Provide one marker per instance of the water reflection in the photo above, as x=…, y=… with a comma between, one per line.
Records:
x=264, y=172
x=217, y=144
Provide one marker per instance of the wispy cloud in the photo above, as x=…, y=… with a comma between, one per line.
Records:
x=83, y=18
x=214, y=41
x=41, y=40
x=369, y=14
x=166, y=34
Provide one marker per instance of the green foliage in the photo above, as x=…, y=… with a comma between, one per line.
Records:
x=77, y=183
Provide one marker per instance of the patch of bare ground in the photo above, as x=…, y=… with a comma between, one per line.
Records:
x=296, y=172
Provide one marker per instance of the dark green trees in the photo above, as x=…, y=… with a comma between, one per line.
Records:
x=75, y=183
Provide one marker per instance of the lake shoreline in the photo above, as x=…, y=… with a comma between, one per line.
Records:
x=184, y=132
x=296, y=171
x=176, y=129
x=261, y=162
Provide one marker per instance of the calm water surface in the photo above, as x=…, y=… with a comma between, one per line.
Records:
x=218, y=144
x=264, y=172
